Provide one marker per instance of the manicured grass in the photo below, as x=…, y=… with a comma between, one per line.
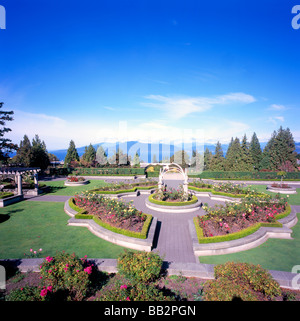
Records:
x=58, y=187
x=36, y=225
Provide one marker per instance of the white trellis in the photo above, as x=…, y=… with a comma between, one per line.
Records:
x=170, y=167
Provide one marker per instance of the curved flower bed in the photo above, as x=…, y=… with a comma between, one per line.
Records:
x=232, y=221
x=225, y=189
x=112, y=214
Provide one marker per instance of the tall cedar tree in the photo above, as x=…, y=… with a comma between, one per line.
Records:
x=40, y=156
x=24, y=153
x=279, y=153
x=72, y=154
x=6, y=146
x=89, y=154
x=246, y=163
x=255, y=151
x=217, y=161
x=207, y=159
x=233, y=155
x=101, y=156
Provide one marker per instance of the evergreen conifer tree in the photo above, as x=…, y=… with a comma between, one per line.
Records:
x=101, y=157
x=255, y=151
x=72, y=154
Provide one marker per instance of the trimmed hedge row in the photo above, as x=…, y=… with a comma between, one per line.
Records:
x=237, y=235
x=192, y=201
x=121, y=190
x=118, y=171
x=141, y=235
x=246, y=175
x=6, y=194
x=211, y=190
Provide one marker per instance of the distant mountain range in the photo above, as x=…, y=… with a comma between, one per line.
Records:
x=161, y=151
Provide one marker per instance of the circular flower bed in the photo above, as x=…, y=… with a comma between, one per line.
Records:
x=76, y=181
x=173, y=201
x=169, y=197
x=281, y=188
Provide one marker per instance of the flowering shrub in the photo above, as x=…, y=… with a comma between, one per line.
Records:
x=242, y=280
x=118, y=291
x=33, y=253
x=169, y=195
x=76, y=179
x=140, y=266
x=67, y=274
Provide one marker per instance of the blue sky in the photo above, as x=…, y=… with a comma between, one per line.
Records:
x=98, y=71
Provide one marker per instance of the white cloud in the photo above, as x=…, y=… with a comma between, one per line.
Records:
x=180, y=106
x=277, y=107
x=275, y=119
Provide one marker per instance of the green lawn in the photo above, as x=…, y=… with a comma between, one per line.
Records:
x=36, y=225
x=293, y=199
x=58, y=187
x=274, y=254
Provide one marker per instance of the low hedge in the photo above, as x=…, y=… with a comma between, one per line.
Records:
x=109, y=171
x=231, y=236
x=6, y=194
x=154, y=201
x=211, y=190
x=141, y=235
x=246, y=175
x=240, y=234
x=96, y=191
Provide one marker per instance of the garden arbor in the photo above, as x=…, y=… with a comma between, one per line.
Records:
x=173, y=167
x=17, y=172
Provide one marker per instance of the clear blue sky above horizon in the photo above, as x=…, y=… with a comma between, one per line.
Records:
x=97, y=71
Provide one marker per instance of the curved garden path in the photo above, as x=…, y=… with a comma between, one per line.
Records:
x=172, y=240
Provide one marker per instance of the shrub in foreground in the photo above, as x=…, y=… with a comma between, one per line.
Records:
x=140, y=266
x=241, y=280
x=66, y=274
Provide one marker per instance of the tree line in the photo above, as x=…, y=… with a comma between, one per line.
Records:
x=278, y=155
x=98, y=157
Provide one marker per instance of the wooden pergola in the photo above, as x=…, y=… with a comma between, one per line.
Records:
x=18, y=171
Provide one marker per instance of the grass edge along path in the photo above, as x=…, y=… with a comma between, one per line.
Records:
x=35, y=225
